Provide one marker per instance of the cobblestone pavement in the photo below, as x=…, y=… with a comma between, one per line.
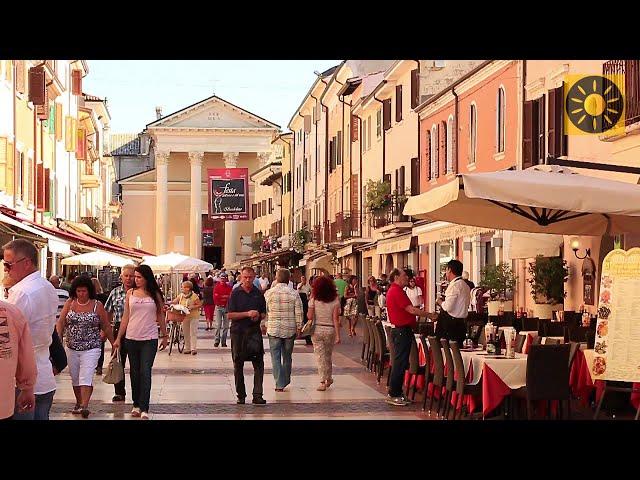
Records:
x=202, y=387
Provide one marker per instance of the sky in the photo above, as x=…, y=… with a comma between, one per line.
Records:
x=272, y=89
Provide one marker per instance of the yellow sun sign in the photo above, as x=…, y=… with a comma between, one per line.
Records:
x=593, y=104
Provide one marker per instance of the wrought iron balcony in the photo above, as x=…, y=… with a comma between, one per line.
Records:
x=390, y=215
x=631, y=71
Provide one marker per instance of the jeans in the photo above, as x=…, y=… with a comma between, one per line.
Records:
x=281, y=350
x=402, y=338
x=238, y=367
x=120, y=386
x=142, y=353
x=41, y=410
x=221, y=323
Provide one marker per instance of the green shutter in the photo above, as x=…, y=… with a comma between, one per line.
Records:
x=52, y=118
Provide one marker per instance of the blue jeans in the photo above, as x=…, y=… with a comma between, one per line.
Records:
x=142, y=353
x=221, y=323
x=281, y=350
x=41, y=410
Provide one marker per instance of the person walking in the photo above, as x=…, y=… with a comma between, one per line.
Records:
x=351, y=304
x=341, y=286
x=372, y=291
x=246, y=308
x=36, y=298
x=143, y=313
x=115, y=309
x=264, y=282
x=17, y=363
x=81, y=321
x=221, y=295
x=189, y=299
x=284, y=321
x=402, y=314
x=63, y=295
x=102, y=298
x=207, y=302
x=324, y=311
x=304, y=289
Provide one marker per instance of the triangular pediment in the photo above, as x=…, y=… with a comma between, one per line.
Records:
x=213, y=112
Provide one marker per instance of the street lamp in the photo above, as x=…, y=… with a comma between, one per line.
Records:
x=575, y=246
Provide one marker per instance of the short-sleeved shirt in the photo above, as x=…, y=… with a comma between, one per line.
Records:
x=341, y=285
x=397, y=301
x=63, y=296
x=242, y=301
x=115, y=304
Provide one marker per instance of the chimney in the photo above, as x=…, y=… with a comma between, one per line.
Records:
x=158, y=113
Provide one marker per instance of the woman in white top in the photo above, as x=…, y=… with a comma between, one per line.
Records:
x=143, y=312
x=414, y=293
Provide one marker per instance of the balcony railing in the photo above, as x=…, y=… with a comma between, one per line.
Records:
x=317, y=234
x=350, y=224
x=389, y=215
x=333, y=231
x=276, y=229
x=631, y=71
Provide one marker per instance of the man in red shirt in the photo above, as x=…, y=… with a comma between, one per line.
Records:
x=402, y=314
x=221, y=294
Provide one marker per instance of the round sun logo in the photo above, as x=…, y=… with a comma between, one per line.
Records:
x=594, y=104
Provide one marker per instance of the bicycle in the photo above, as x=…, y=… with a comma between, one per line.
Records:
x=176, y=332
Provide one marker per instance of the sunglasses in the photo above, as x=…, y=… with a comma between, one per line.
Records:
x=9, y=265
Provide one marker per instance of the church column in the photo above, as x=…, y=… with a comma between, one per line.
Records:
x=162, y=202
x=195, y=222
x=231, y=239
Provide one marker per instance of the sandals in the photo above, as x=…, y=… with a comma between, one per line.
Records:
x=322, y=387
x=135, y=412
x=77, y=410
x=144, y=416
x=85, y=413
x=328, y=383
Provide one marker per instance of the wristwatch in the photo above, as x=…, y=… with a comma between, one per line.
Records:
x=162, y=336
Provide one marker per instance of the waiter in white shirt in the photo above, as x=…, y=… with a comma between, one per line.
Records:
x=454, y=308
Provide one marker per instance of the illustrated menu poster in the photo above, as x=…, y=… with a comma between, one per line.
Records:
x=228, y=193
x=617, y=342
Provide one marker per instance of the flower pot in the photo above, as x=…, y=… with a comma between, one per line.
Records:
x=543, y=311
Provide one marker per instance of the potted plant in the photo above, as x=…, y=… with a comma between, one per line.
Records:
x=378, y=200
x=301, y=238
x=547, y=278
x=498, y=280
x=399, y=200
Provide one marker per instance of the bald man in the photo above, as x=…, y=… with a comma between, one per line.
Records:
x=63, y=295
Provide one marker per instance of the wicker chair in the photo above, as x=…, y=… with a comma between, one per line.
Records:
x=450, y=376
x=438, y=372
x=461, y=386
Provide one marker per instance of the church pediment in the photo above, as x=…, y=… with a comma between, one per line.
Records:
x=213, y=112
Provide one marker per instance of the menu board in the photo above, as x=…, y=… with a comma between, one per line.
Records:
x=617, y=342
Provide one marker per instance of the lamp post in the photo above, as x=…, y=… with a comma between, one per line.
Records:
x=575, y=246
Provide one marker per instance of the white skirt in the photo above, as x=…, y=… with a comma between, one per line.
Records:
x=82, y=365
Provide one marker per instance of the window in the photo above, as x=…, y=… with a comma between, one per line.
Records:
x=339, y=148
x=500, y=120
x=473, y=133
x=364, y=135
x=369, y=132
x=398, y=103
x=434, y=151
x=379, y=123
x=304, y=168
x=449, y=147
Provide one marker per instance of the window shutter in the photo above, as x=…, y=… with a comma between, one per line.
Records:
x=454, y=146
x=36, y=86
x=307, y=123
x=42, y=111
x=529, y=146
x=355, y=190
x=396, y=185
x=76, y=82
x=387, y=178
x=330, y=155
x=264, y=207
x=415, y=88
x=427, y=156
x=369, y=133
x=442, y=154
x=401, y=182
x=10, y=176
x=541, y=131
x=557, y=140
x=52, y=118
x=340, y=149
x=20, y=82
x=354, y=128
x=4, y=155
x=386, y=114
x=48, y=191
x=398, y=103
x=40, y=187
x=270, y=205
x=81, y=144
x=553, y=146
x=436, y=151
x=415, y=176
x=254, y=210
x=58, y=127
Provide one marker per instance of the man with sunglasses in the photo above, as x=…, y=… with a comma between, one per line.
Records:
x=38, y=301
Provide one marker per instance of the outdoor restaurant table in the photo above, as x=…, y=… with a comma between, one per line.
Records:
x=582, y=383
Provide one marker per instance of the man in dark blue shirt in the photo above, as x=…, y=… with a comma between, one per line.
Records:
x=246, y=308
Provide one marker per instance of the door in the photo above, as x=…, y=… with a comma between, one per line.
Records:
x=213, y=255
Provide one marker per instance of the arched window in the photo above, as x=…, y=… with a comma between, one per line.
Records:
x=500, y=120
x=473, y=133
x=434, y=151
x=449, y=146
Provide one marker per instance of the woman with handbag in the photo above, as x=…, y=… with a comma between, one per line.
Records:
x=143, y=312
x=351, y=304
x=324, y=312
x=188, y=298
x=81, y=320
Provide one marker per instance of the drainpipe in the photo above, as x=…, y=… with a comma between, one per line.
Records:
x=418, y=122
x=384, y=135
x=341, y=99
x=455, y=116
x=304, y=152
x=15, y=133
x=326, y=155
x=315, y=156
x=35, y=160
x=281, y=206
x=360, y=174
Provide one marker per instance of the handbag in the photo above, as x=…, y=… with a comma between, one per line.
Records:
x=57, y=355
x=309, y=327
x=115, y=371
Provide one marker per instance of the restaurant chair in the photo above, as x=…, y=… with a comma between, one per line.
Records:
x=590, y=337
x=537, y=340
x=365, y=339
x=552, y=341
x=577, y=333
x=529, y=324
x=450, y=376
x=461, y=385
x=382, y=352
x=520, y=341
x=574, y=347
x=547, y=377
x=428, y=376
x=371, y=350
x=391, y=349
x=435, y=348
x=415, y=370
x=555, y=329
x=505, y=320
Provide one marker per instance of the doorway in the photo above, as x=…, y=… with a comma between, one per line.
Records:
x=213, y=255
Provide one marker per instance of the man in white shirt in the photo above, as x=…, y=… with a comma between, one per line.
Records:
x=454, y=308
x=63, y=295
x=264, y=282
x=38, y=301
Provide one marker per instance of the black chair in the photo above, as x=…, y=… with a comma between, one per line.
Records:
x=505, y=320
x=529, y=324
x=547, y=377
x=365, y=339
x=555, y=329
x=391, y=349
x=435, y=348
x=577, y=333
x=450, y=376
x=552, y=341
x=382, y=353
x=537, y=341
x=520, y=341
x=574, y=347
x=415, y=370
x=461, y=386
x=371, y=350
x=427, y=366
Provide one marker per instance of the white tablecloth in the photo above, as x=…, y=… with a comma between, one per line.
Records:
x=512, y=371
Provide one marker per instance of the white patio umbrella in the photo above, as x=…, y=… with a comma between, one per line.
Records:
x=176, y=263
x=97, y=259
x=540, y=199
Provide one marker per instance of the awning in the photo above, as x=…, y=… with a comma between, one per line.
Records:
x=444, y=231
x=302, y=262
x=343, y=252
x=97, y=259
x=57, y=246
x=530, y=245
x=395, y=245
x=321, y=263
